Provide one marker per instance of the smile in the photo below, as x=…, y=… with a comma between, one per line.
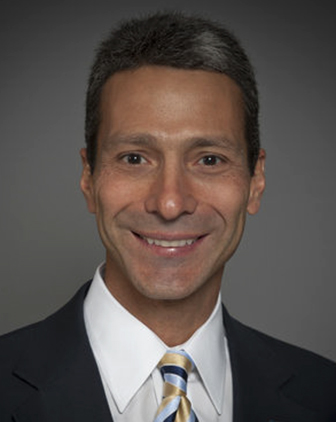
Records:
x=169, y=243
x=165, y=243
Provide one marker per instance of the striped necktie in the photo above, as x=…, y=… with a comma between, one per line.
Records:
x=175, y=406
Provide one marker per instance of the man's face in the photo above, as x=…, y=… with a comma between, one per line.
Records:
x=171, y=186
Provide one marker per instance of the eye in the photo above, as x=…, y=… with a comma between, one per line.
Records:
x=134, y=159
x=210, y=160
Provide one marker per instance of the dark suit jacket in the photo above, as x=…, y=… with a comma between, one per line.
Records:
x=48, y=373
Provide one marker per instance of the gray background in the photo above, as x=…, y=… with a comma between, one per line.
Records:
x=282, y=279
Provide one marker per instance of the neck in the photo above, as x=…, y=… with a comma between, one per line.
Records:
x=173, y=321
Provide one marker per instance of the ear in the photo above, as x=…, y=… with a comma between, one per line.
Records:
x=86, y=182
x=257, y=185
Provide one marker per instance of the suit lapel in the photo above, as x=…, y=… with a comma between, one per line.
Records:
x=260, y=379
x=59, y=379
x=59, y=373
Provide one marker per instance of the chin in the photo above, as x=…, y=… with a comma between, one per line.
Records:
x=169, y=291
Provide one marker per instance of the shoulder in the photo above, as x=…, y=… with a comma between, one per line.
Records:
x=31, y=349
x=295, y=356
x=62, y=322
x=12, y=347
x=258, y=341
x=302, y=376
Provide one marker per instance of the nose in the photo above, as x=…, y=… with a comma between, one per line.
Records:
x=170, y=194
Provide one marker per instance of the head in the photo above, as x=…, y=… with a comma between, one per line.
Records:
x=178, y=41
x=172, y=163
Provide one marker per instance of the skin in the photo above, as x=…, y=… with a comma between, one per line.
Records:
x=171, y=166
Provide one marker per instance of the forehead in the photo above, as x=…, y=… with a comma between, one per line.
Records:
x=171, y=103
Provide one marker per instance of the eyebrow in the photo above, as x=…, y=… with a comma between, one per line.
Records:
x=150, y=141
x=205, y=142
x=137, y=139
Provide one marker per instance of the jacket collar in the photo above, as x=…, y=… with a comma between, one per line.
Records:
x=59, y=370
x=261, y=378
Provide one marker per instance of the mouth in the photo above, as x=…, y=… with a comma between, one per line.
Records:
x=168, y=243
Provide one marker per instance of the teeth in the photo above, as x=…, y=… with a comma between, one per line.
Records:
x=169, y=243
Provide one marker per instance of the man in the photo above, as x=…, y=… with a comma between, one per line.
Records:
x=172, y=166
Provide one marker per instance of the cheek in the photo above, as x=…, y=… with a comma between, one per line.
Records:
x=229, y=199
x=112, y=196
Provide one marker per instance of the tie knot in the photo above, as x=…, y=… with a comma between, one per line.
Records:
x=179, y=359
x=175, y=405
x=175, y=367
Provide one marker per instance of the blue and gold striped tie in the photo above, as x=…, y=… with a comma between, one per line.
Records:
x=175, y=405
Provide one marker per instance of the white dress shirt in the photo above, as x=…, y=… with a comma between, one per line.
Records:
x=127, y=353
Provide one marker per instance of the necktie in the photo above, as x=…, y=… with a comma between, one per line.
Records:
x=175, y=405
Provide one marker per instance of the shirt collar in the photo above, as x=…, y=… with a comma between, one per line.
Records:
x=207, y=348
x=126, y=367
x=125, y=349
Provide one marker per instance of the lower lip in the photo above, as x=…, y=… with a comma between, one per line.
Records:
x=170, y=252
